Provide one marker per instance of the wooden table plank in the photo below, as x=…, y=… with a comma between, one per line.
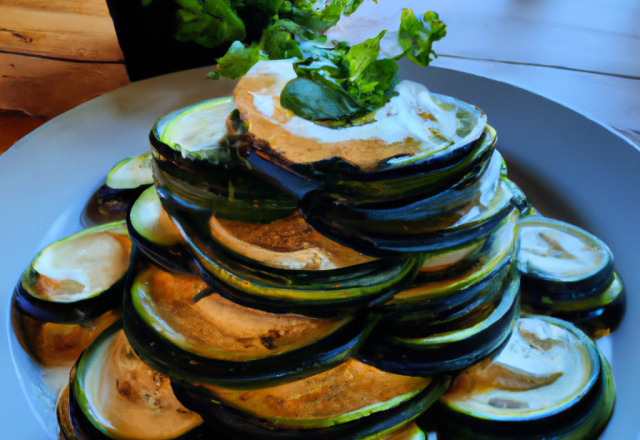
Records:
x=47, y=87
x=58, y=34
x=88, y=7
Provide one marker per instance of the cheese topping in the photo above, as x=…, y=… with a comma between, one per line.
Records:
x=543, y=368
x=412, y=125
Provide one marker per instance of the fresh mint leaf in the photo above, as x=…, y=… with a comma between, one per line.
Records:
x=209, y=23
x=352, y=6
x=238, y=60
x=315, y=101
x=317, y=15
x=363, y=54
x=374, y=87
x=416, y=37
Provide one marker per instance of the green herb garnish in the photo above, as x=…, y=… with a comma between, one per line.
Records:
x=335, y=82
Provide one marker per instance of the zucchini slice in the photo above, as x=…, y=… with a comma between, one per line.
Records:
x=414, y=134
x=417, y=180
x=185, y=330
x=597, y=315
x=561, y=262
x=154, y=233
x=334, y=291
x=464, y=213
x=438, y=305
x=124, y=183
x=114, y=395
x=334, y=404
x=197, y=132
x=194, y=162
x=548, y=382
x=58, y=345
x=448, y=351
x=78, y=278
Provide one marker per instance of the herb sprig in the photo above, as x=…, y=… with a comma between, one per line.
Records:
x=336, y=82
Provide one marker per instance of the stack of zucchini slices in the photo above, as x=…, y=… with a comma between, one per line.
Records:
x=294, y=280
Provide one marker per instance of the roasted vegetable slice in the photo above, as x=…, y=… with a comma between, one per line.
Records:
x=335, y=404
x=56, y=345
x=126, y=180
x=311, y=290
x=153, y=232
x=197, y=166
x=448, y=351
x=548, y=382
x=78, y=278
x=182, y=328
x=464, y=213
x=114, y=395
x=437, y=304
x=561, y=262
x=413, y=126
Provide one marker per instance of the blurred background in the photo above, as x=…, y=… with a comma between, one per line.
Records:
x=56, y=54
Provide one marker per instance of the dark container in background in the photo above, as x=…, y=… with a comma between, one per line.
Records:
x=146, y=35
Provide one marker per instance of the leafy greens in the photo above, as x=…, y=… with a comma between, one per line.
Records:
x=335, y=82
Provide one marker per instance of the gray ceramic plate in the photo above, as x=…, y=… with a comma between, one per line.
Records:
x=571, y=167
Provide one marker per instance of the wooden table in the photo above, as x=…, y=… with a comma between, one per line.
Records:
x=54, y=55
x=582, y=53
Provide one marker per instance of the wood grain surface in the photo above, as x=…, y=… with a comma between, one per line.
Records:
x=54, y=55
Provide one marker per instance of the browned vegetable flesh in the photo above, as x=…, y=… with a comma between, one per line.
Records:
x=351, y=390
x=212, y=326
x=133, y=400
x=366, y=153
x=289, y=243
x=56, y=345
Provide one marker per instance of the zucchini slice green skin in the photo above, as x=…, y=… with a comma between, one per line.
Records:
x=597, y=316
x=78, y=312
x=109, y=204
x=540, y=287
x=180, y=364
x=231, y=189
x=449, y=313
x=81, y=426
x=70, y=313
x=241, y=425
x=365, y=232
x=313, y=293
x=464, y=212
x=439, y=304
x=174, y=259
x=420, y=179
x=455, y=351
x=583, y=421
